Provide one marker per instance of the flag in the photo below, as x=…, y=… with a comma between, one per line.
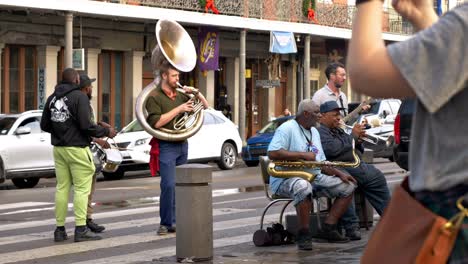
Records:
x=282, y=42
x=208, y=49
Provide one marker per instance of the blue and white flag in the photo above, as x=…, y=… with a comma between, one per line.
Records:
x=282, y=42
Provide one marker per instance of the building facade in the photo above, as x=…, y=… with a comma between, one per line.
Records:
x=113, y=42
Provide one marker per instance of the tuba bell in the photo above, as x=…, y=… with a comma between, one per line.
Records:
x=175, y=46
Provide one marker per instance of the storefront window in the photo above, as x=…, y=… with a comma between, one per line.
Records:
x=19, y=79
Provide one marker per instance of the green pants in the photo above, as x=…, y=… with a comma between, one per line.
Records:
x=73, y=166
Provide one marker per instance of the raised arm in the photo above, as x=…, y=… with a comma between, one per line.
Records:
x=370, y=67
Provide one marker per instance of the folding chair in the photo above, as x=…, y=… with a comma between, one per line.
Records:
x=261, y=236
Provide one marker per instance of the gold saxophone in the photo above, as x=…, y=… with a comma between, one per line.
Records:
x=292, y=169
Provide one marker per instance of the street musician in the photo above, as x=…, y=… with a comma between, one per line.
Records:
x=166, y=104
x=337, y=146
x=298, y=139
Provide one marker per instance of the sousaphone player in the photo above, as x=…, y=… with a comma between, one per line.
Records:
x=172, y=114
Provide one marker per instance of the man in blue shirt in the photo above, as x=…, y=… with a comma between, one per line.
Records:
x=298, y=139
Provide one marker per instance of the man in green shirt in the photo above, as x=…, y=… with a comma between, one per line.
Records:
x=163, y=108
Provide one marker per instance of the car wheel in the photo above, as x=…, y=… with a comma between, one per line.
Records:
x=228, y=156
x=251, y=163
x=23, y=183
x=112, y=176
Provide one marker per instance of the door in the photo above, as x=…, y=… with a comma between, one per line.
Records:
x=33, y=150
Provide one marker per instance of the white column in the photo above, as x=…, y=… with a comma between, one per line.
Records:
x=68, y=40
x=291, y=91
x=92, y=69
x=206, y=84
x=232, y=83
x=47, y=62
x=2, y=45
x=133, y=81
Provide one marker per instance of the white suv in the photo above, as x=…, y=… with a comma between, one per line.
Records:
x=25, y=150
x=218, y=140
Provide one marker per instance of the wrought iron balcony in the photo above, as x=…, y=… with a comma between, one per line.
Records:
x=327, y=14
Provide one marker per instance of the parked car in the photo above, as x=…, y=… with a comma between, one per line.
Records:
x=218, y=140
x=381, y=110
x=402, y=130
x=257, y=145
x=25, y=150
x=381, y=117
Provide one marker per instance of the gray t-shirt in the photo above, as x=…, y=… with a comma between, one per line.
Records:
x=435, y=64
x=325, y=94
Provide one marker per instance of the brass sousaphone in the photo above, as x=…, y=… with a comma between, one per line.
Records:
x=175, y=46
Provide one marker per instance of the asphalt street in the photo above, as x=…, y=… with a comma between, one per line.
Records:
x=129, y=210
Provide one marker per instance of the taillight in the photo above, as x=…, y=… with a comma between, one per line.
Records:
x=396, y=129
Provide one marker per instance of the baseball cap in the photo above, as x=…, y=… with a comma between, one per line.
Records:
x=329, y=106
x=85, y=80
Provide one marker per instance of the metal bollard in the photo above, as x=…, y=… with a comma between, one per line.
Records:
x=194, y=213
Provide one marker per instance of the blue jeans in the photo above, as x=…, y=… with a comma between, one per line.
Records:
x=171, y=155
x=373, y=184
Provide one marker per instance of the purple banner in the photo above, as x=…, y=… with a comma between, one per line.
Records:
x=208, y=49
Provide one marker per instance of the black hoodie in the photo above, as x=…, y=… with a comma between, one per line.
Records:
x=66, y=117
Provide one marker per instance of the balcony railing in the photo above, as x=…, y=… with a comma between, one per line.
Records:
x=333, y=15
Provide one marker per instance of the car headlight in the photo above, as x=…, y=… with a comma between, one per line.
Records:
x=141, y=141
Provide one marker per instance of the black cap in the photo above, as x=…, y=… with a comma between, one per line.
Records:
x=329, y=106
x=85, y=80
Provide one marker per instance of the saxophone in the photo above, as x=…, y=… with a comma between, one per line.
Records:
x=290, y=169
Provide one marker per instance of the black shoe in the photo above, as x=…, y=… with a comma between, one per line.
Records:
x=86, y=235
x=93, y=226
x=164, y=230
x=60, y=235
x=304, y=240
x=330, y=234
x=353, y=233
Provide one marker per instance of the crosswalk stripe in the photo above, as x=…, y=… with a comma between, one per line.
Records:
x=117, y=226
x=70, y=219
x=148, y=255
x=72, y=248
x=22, y=205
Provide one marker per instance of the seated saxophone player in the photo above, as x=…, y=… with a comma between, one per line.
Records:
x=298, y=139
x=337, y=146
x=166, y=104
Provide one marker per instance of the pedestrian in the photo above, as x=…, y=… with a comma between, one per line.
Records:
x=338, y=146
x=431, y=67
x=298, y=139
x=286, y=112
x=66, y=117
x=163, y=107
x=87, y=88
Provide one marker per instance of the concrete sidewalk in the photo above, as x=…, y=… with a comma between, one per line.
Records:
x=322, y=253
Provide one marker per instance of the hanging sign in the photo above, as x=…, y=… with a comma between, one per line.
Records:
x=41, y=89
x=79, y=59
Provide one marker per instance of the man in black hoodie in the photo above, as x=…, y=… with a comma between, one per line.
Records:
x=66, y=117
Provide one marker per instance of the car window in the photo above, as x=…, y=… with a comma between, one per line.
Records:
x=374, y=109
x=133, y=127
x=218, y=119
x=208, y=119
x=395, y=105
x=352, y=106
x=273, y=125
x=5, y=124
x=33, y=123
x=386, y=107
